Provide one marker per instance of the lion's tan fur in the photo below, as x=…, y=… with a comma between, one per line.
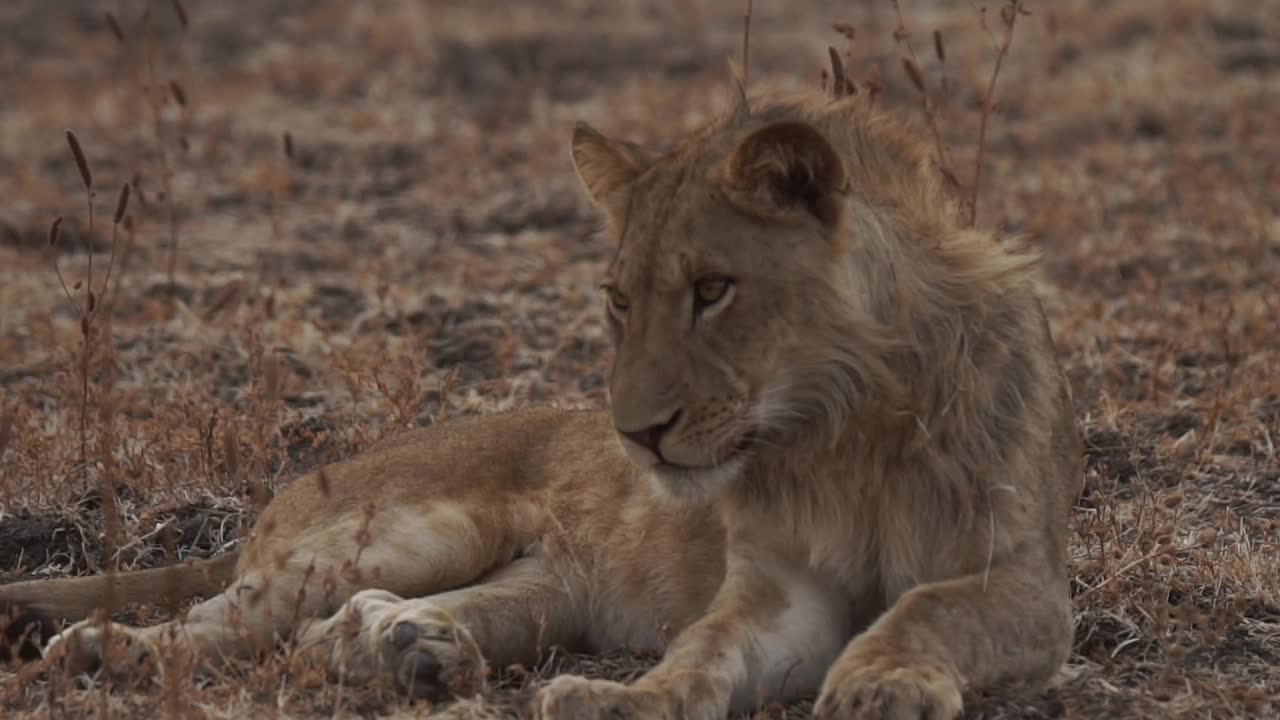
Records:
x=911, y=463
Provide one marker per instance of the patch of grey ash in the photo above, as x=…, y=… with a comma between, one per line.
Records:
x=30, y=543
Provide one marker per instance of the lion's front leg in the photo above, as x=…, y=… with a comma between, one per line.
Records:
x=770, y=635
x=940, y=638
x=440, y=646
x=416, y=643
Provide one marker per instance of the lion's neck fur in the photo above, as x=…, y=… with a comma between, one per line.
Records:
x=924, y=317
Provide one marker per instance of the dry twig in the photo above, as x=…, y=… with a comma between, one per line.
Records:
x=911, y=64
x=1008, y=17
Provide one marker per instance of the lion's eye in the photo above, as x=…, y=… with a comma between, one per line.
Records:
x=711, y=290
x=618, y=302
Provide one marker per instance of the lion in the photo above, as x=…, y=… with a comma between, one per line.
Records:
x=839, y=461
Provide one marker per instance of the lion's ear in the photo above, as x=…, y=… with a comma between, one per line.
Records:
x=606, y=167
x=788, y=167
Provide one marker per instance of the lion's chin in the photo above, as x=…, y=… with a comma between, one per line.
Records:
x=696, y=484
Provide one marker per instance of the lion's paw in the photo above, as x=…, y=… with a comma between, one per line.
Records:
x=90, y=645
x=885, y=690
x=430, y=655
x=569, y=697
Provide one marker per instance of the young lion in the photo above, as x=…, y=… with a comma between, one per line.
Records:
x=839, y=459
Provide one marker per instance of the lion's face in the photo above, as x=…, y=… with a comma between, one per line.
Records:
x=724, y=264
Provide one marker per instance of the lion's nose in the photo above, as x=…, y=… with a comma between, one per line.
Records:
x=651, y=437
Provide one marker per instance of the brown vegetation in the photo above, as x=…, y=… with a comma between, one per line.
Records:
x=380, y=229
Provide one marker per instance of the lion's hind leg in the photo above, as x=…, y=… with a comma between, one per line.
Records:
x=288, y=580
x=243, y=619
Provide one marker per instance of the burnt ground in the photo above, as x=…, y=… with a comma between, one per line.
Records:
x=420, y=251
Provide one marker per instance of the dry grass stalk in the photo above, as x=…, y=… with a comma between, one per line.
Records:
x=110, y=519
x=86, y=321
x=181, y=12
x=90, y=336
x=1008, y=17
x=114, y=25
x=746, y=44
x=55, y=231
x=153, y=96
x=8, y=414
x=122, y=204
x=840, y=63
x=912, y=66
x=178, y=93
x=280, y=188
x=940, y=52
x=913, y=73
x=840, y=86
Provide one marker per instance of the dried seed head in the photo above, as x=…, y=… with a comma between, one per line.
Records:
x=179, y=94
x=837, y=73
x=92, y=301
x=914, y=73
x=78, y=285
x=1009, y=13
x=81, y=162
x=844, y=29
x=287, y=139
x=122, y=204
x=115, y=27
x=54, y=230
x=938, y=50
x=181, y=12
x=951, y=178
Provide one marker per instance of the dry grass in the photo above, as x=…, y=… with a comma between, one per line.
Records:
x=420, y=252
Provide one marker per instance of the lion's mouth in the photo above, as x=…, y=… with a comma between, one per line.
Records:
x=740, y=448
x=745, y=443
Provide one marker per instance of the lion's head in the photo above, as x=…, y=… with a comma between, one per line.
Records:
x=736, y=319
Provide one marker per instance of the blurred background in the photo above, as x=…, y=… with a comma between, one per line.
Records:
x=347, y=219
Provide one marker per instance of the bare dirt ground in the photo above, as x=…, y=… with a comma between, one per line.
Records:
x=420, y=251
